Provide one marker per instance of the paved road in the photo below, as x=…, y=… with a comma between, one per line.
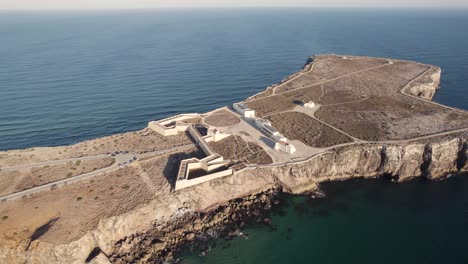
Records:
x=120, y=159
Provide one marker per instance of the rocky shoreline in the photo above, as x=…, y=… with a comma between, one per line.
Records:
x=154, y=230
x=162, y=242
x=397, y=163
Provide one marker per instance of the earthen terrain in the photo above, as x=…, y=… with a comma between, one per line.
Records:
x=372, y=117
x=141, y=141
x=307, y=130
x=17, y=180
x=221, y=118
x=238, y=150
x=82, y=205
x=364, y=98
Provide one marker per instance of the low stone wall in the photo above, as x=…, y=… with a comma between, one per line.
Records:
x=181, y=184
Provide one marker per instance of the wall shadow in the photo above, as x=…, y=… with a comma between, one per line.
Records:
x=172, y=166
x=268, y=141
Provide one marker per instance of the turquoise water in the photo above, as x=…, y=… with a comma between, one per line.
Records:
x=360, y=221
x=70, y=76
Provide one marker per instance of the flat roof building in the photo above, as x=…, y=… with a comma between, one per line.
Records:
x=244, y=110
x=285, y=146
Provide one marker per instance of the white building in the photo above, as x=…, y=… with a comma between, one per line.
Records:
x=244, y=110
x=285, y=146
x=172, y=125
x=309, y=104
x=266, y=126
x=214, y=135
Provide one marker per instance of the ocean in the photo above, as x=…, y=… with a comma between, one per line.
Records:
x=70, y=76
x=359, y=221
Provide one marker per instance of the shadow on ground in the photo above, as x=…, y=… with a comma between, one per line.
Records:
x=172, y=166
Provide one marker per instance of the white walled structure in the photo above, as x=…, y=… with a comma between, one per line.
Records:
x=279, y=137
x=267, y=127
x=244, y=110
x=209, y=165
x=282, y=143
x=212, y=164
x=309, y=104
x=183, y=183
x=172, y=125
x=285, y=146
x=214, y=135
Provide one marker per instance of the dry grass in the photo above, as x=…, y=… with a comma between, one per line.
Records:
x=80, y=205
x=142, y=141
x=391, y=118
x=299, y=126
x=367, y=105
x=221, y=118
x=162, y=170
x=14, y=181
x=236, y=149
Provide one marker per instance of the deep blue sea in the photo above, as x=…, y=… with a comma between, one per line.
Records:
x=70, y=76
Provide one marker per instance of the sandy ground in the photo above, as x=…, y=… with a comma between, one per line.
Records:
x=221, y=118
x=81, y=205
x=162, y=170
x=142, y=141
x=13, y=181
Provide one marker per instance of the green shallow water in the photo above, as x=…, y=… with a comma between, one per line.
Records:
x=360, y=221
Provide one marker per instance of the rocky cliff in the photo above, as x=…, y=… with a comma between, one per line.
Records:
x=151, y=232
x=427, y=86
x=154, y=229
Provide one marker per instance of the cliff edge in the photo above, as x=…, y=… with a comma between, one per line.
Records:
x=347, y=117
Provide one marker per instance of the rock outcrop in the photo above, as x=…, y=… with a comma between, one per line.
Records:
x=151, y=232
x=427, y=86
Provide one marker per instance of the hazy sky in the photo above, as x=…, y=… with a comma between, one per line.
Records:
x=93, y=4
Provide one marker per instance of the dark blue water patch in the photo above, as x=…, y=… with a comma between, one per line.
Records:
x=71, y=76
x=359, y=221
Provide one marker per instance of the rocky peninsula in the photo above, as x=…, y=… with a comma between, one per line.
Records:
x=136, y=197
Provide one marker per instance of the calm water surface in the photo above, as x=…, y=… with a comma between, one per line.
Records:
x=360, y=221
x=67, y=77
x=71, y=76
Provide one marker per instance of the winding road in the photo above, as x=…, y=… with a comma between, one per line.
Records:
x=124, y=159
x=120, y=159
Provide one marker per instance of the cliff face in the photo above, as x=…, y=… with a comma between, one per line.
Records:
x=124, y=237
x=427, y=86
x=398, y=162
x=174, y=217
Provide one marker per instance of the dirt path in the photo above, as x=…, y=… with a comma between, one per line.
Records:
x=120, y=159
x=295, y=77
x=319, y=83
x=52, y=162
x=403, y=91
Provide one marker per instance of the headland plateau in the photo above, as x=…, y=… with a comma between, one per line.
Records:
x=136, y=197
